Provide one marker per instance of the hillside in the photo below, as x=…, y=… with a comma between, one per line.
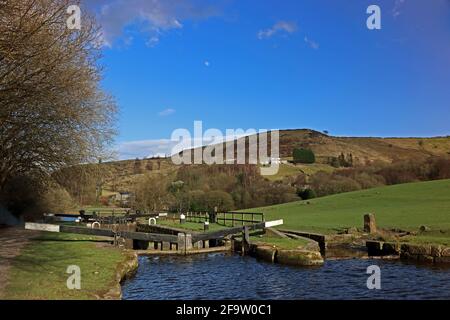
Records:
x=363, y=149
x=123, y=173
x=406, y=206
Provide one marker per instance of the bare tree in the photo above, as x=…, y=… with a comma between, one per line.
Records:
x=53, y=112
x=151, y=192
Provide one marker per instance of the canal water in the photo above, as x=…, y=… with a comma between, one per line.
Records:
x=230, y=276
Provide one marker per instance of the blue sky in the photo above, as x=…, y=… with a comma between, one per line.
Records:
x=274, y=65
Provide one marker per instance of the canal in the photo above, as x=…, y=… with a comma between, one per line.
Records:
x=230, y=276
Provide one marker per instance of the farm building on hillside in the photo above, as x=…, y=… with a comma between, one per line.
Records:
x=120, y=198
x=273, y=161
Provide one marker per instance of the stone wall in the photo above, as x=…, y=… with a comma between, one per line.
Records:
x=269, y=253
x=417, y=252
x=426, y=253
x=125, y=270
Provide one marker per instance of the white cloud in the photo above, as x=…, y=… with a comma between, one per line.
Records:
x=151, y=17
x=279, y=27
x=207, y=64
x=312, y=44
x=166, y=112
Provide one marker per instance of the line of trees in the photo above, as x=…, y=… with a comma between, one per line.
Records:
x=53, y=112
x=342, y=160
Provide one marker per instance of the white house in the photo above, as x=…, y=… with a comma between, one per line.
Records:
x=270, y=161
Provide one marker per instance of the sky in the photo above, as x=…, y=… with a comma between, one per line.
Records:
x=274, y=65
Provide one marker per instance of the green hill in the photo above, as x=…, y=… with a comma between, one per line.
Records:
x=406, y=206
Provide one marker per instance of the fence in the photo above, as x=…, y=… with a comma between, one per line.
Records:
x=197, y=217
x=239, y=218
x=232, y=218
x=101, y=211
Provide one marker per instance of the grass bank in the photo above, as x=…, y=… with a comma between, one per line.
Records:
x=39, y=272
x=280, y=243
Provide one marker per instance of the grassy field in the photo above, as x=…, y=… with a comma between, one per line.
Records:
x=406, y=206
x=39, y=272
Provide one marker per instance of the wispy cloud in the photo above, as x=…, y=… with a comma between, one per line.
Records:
x=284, y=27
x=397, y=8
x=151, y=17
x=312, y=44
x=152, y=41
x=167, y=147
x=145, y=148
x=166, y=112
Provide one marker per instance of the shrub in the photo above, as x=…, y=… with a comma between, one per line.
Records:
x=402, y=172
x=303, y=156
x=151, y=193
x=197, y=201
x=367, y=180
x=57, y=200
x=341, y=160
x=325, y=184
x=220, y=199
x=334, y=162
x=306, y=194
x=30, y=197
x=439, y=168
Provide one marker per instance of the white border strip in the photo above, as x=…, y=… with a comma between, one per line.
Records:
x=274, y=223
x=42, y=227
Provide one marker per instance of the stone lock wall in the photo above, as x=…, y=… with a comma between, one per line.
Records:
x=298, y=257
x=426, y=253
x=417, y=252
